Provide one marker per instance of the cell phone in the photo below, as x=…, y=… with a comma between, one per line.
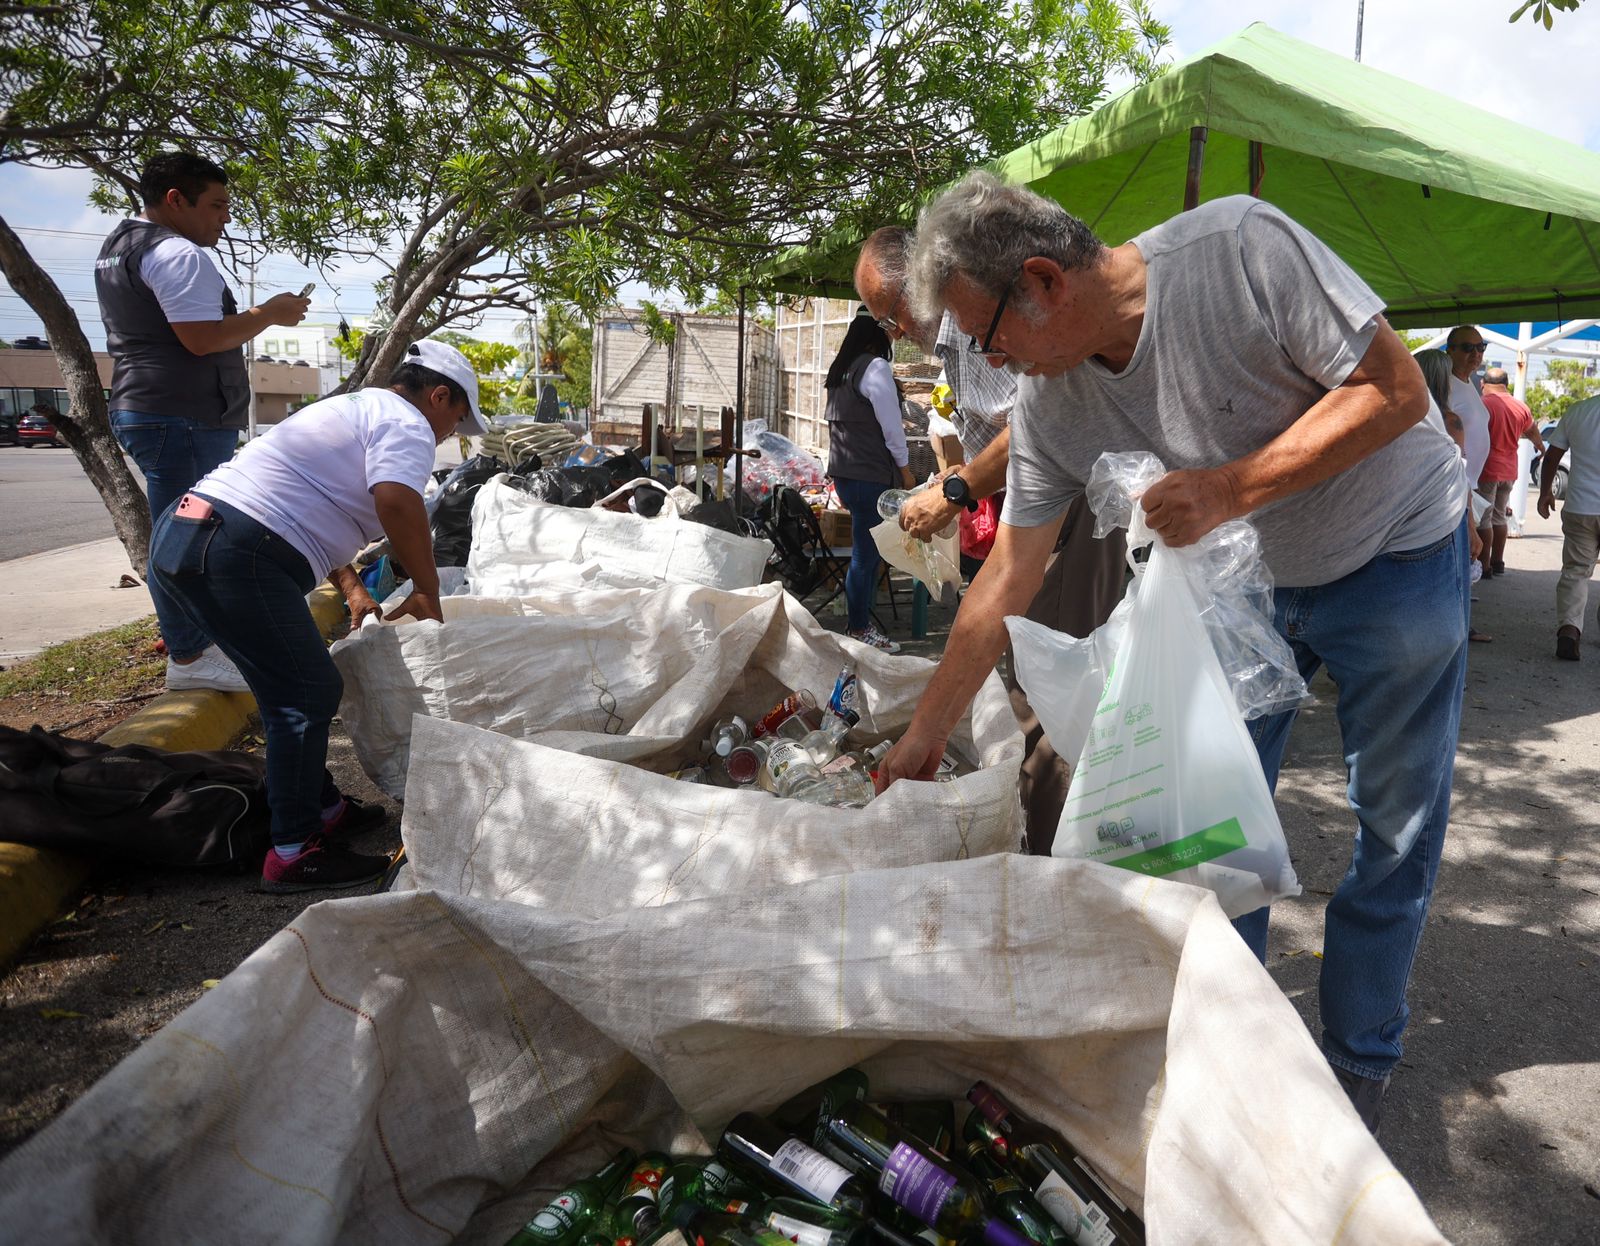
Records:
x=192, y=507
x=309, y=286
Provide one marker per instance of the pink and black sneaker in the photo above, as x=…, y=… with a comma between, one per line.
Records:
x=318, y=865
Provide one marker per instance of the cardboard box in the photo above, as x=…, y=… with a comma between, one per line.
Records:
x=947, y=450
x=835, y=527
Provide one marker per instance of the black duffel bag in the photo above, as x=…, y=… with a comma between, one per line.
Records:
x=132, y=802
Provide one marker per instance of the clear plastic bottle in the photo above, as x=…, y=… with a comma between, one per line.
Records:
x=842, y=789
x=890, y=502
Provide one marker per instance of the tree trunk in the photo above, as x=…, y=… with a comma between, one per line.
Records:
x=87, y=430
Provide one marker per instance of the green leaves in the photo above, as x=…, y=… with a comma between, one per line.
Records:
x=1544, y=10
x=514, y=152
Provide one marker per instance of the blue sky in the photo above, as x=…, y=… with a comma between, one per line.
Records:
x=1462, y=48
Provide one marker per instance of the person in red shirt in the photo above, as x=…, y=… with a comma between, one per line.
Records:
x=1509, y=422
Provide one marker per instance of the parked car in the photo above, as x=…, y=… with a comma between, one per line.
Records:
x=8, y=431
x=34, y=429
x=1559, y=486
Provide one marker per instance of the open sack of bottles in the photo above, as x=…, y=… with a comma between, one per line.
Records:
x=643, y=679
x=440, y=1065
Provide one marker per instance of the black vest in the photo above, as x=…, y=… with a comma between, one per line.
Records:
x=151, y=370
x=856, y=449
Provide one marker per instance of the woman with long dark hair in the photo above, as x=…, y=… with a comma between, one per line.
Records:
x=866, y=455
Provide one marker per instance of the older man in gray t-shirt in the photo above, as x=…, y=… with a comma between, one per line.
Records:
x=1257, y=366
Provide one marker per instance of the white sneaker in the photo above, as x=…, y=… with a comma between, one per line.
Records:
x=870, y=635
x=212, y=669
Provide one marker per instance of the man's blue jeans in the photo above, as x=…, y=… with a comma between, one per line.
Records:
x=860, y=498
x=173, y=452
x=1393, y=636
x=246, y=587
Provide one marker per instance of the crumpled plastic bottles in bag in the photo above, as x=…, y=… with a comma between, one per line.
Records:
x=1153, y=705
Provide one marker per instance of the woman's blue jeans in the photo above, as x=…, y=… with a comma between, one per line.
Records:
x=860, y=498
x=246, y=587
x=172, y=452
x=1393, y=636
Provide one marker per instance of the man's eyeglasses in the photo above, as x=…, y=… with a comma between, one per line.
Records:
x=1471, y=348
x=987, y=350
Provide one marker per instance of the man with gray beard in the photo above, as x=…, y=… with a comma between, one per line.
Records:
x=1250, y=359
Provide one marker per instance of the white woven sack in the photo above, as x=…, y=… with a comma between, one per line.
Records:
x=518, y=542
x=389, y=1069
x=632, y=675
x=569, y=659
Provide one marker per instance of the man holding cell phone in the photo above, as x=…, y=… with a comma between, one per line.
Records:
x=180, y=389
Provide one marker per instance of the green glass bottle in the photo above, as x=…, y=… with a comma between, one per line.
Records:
x=806, y=1115
x=1061, y=1180
x=918, y=1179
x=811, y=1224
x=636, y=1213
x=930, y=1121
x=576, y=1211
x=754, y=1147
x=716, y=1186
x=1008, y=1199
x=699, y=1226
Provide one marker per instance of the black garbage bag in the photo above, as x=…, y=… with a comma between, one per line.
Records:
x=451, y=507
x=719, y=515
x=527, y=466
x=549, y=484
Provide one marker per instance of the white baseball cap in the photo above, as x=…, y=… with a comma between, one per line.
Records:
x=446, y=360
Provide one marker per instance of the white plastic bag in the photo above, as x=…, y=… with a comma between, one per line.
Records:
x=936, y=562
x=1168, y=782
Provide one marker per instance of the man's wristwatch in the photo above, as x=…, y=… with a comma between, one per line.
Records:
x=956, y=492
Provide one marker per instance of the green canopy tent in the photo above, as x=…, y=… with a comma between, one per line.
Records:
x=1450, y=213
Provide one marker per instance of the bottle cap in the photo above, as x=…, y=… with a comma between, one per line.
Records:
x=987, y=1102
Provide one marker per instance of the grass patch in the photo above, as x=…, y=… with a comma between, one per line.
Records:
x=100, y=667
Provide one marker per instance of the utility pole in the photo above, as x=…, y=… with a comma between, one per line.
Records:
x=1361, y=9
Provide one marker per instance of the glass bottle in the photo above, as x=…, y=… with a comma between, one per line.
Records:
x=795, y=703
x=744, y=762
x=1060, y=1179
x=930, y=1121
x=636, y=1212
x=755, y=1147
x=843, y=789
x=811, y=1224
x=825, y=743
x=1008, y=1199
x=806, y=1114
x=917, y=1178
x=697, y=1225
x=576, y=1211
x=788, y=769
x=728, y=734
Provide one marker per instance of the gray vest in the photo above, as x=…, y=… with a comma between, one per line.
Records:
x=856, y=449
x=151, y=370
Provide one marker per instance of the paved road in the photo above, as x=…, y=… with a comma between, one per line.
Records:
x=46, y=502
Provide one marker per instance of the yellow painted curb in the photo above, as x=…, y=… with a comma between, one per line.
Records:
x=35, y=882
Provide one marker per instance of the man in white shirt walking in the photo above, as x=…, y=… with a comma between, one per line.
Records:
x=1579, y=432
x=180, y=392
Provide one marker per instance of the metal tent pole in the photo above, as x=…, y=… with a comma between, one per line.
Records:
x=738, y=418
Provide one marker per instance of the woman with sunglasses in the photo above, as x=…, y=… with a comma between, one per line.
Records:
x=866, y=455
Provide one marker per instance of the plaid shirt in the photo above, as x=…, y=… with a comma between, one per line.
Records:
x=984, y=395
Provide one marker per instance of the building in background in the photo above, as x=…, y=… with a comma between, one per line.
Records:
x=699, y=370
x=31, y=376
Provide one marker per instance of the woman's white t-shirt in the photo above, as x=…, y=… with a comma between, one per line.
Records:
x=310, y=478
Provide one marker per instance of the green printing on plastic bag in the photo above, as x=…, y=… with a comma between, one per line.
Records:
x=1207, y=845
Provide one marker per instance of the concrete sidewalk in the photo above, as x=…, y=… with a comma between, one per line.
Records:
x=66, y=593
